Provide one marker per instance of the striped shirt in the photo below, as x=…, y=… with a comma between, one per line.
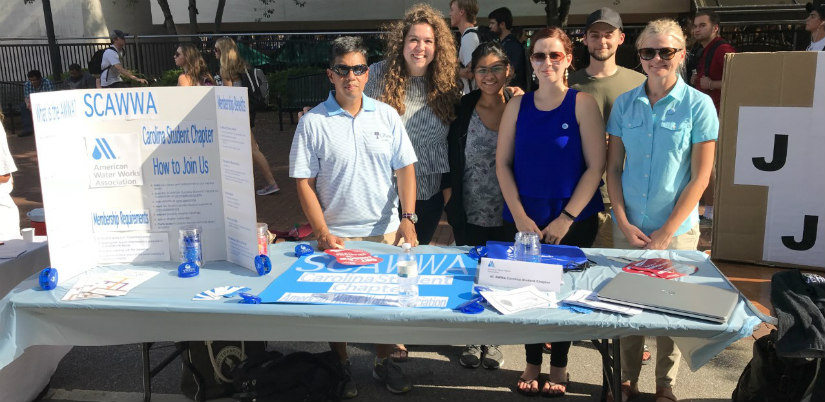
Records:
x=353, y=160
x=427, y=132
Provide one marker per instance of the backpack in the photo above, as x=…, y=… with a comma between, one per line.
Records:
x=710, y=52
x=96, y=62
x=208, y=365
x=257, y=87
x=299, y=376
x=769, y=377
x=484, y=34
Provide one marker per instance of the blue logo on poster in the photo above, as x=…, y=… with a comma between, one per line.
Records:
x=103, y=150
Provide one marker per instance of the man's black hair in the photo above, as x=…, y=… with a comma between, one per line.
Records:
x=74, y=67
x=712, y=16
x=346, y=44
x=34, y=74
x=504, y=15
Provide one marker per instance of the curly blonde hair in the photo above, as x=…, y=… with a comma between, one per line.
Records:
x=232, y=65
x=442, y=82
x=193, y=65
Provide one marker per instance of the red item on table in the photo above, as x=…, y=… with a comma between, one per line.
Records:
x=660, y=268
x=353, y=257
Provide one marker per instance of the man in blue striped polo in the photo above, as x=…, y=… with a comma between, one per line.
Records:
x=343, y=158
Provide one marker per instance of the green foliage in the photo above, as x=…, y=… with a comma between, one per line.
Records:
x=277, y=80
x=168, y=78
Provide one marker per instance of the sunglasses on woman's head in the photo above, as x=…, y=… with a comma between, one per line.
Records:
x=665, y=53
x=540, y=57
x=343, y=69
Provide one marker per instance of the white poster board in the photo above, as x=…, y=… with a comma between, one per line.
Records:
x=122, y=170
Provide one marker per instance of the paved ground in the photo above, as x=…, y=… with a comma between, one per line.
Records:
x=113, y=373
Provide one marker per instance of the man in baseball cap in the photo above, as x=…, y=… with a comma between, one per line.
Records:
x=815, y=24
x=111, y=66
x=603, y=78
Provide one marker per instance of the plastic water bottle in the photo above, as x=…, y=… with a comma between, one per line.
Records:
x=407, y=276
x=190, y=245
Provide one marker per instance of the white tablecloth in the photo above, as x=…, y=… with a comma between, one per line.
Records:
x=24, y=378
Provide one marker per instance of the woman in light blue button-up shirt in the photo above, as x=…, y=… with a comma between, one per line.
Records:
x=660, y=155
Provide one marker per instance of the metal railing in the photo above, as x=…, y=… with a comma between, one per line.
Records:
x=152, y=55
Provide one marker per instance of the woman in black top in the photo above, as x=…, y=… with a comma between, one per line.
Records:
x=475, y=206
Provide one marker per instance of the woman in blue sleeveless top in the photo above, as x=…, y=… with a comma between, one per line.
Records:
x=549, y=163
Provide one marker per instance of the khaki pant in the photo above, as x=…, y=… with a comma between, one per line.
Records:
x=686, y=241
x=632, y=347
x=386, y=238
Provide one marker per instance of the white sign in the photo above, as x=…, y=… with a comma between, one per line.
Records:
x=516, y=274
x=123, y=170
x=115, y=160
x=781, y=148
x=515, y=300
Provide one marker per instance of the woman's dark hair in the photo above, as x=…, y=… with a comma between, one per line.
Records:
x=552, y=32
x=486, y=49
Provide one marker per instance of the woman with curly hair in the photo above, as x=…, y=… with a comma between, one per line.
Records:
x=418, y=79
x=188, y=58
x=233, y=67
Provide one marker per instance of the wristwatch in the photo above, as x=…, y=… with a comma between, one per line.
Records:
x=411, y=216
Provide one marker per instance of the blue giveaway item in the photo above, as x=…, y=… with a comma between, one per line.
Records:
x=190, y=245
x=569, y=257
x=303, y=249
x=237, y=292
x=188, y=270
x=262, y=264
x=247, y=298
x=48, y=278
x=478, y=252
x=575, y=308
x=472, y=306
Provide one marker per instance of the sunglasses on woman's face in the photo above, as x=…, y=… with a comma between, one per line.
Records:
x=343, y=69
x=498, y=69
x=665, y=53
x=540, y=57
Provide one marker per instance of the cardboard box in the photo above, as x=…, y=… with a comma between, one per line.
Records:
x=770, y=188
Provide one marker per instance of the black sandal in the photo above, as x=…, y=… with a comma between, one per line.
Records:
x=549, y=385
x=528, y=391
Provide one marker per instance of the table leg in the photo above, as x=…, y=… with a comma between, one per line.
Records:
x=616, y=381
x=147, y=375
x=149, y=372
x=611, y=366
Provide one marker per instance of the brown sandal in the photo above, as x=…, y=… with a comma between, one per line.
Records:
x=661, y=394
x=628, y=393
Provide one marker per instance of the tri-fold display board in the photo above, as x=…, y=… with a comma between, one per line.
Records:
x=770, y=190
x=122, y=170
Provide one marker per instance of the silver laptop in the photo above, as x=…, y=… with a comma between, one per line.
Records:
x=681, y=298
